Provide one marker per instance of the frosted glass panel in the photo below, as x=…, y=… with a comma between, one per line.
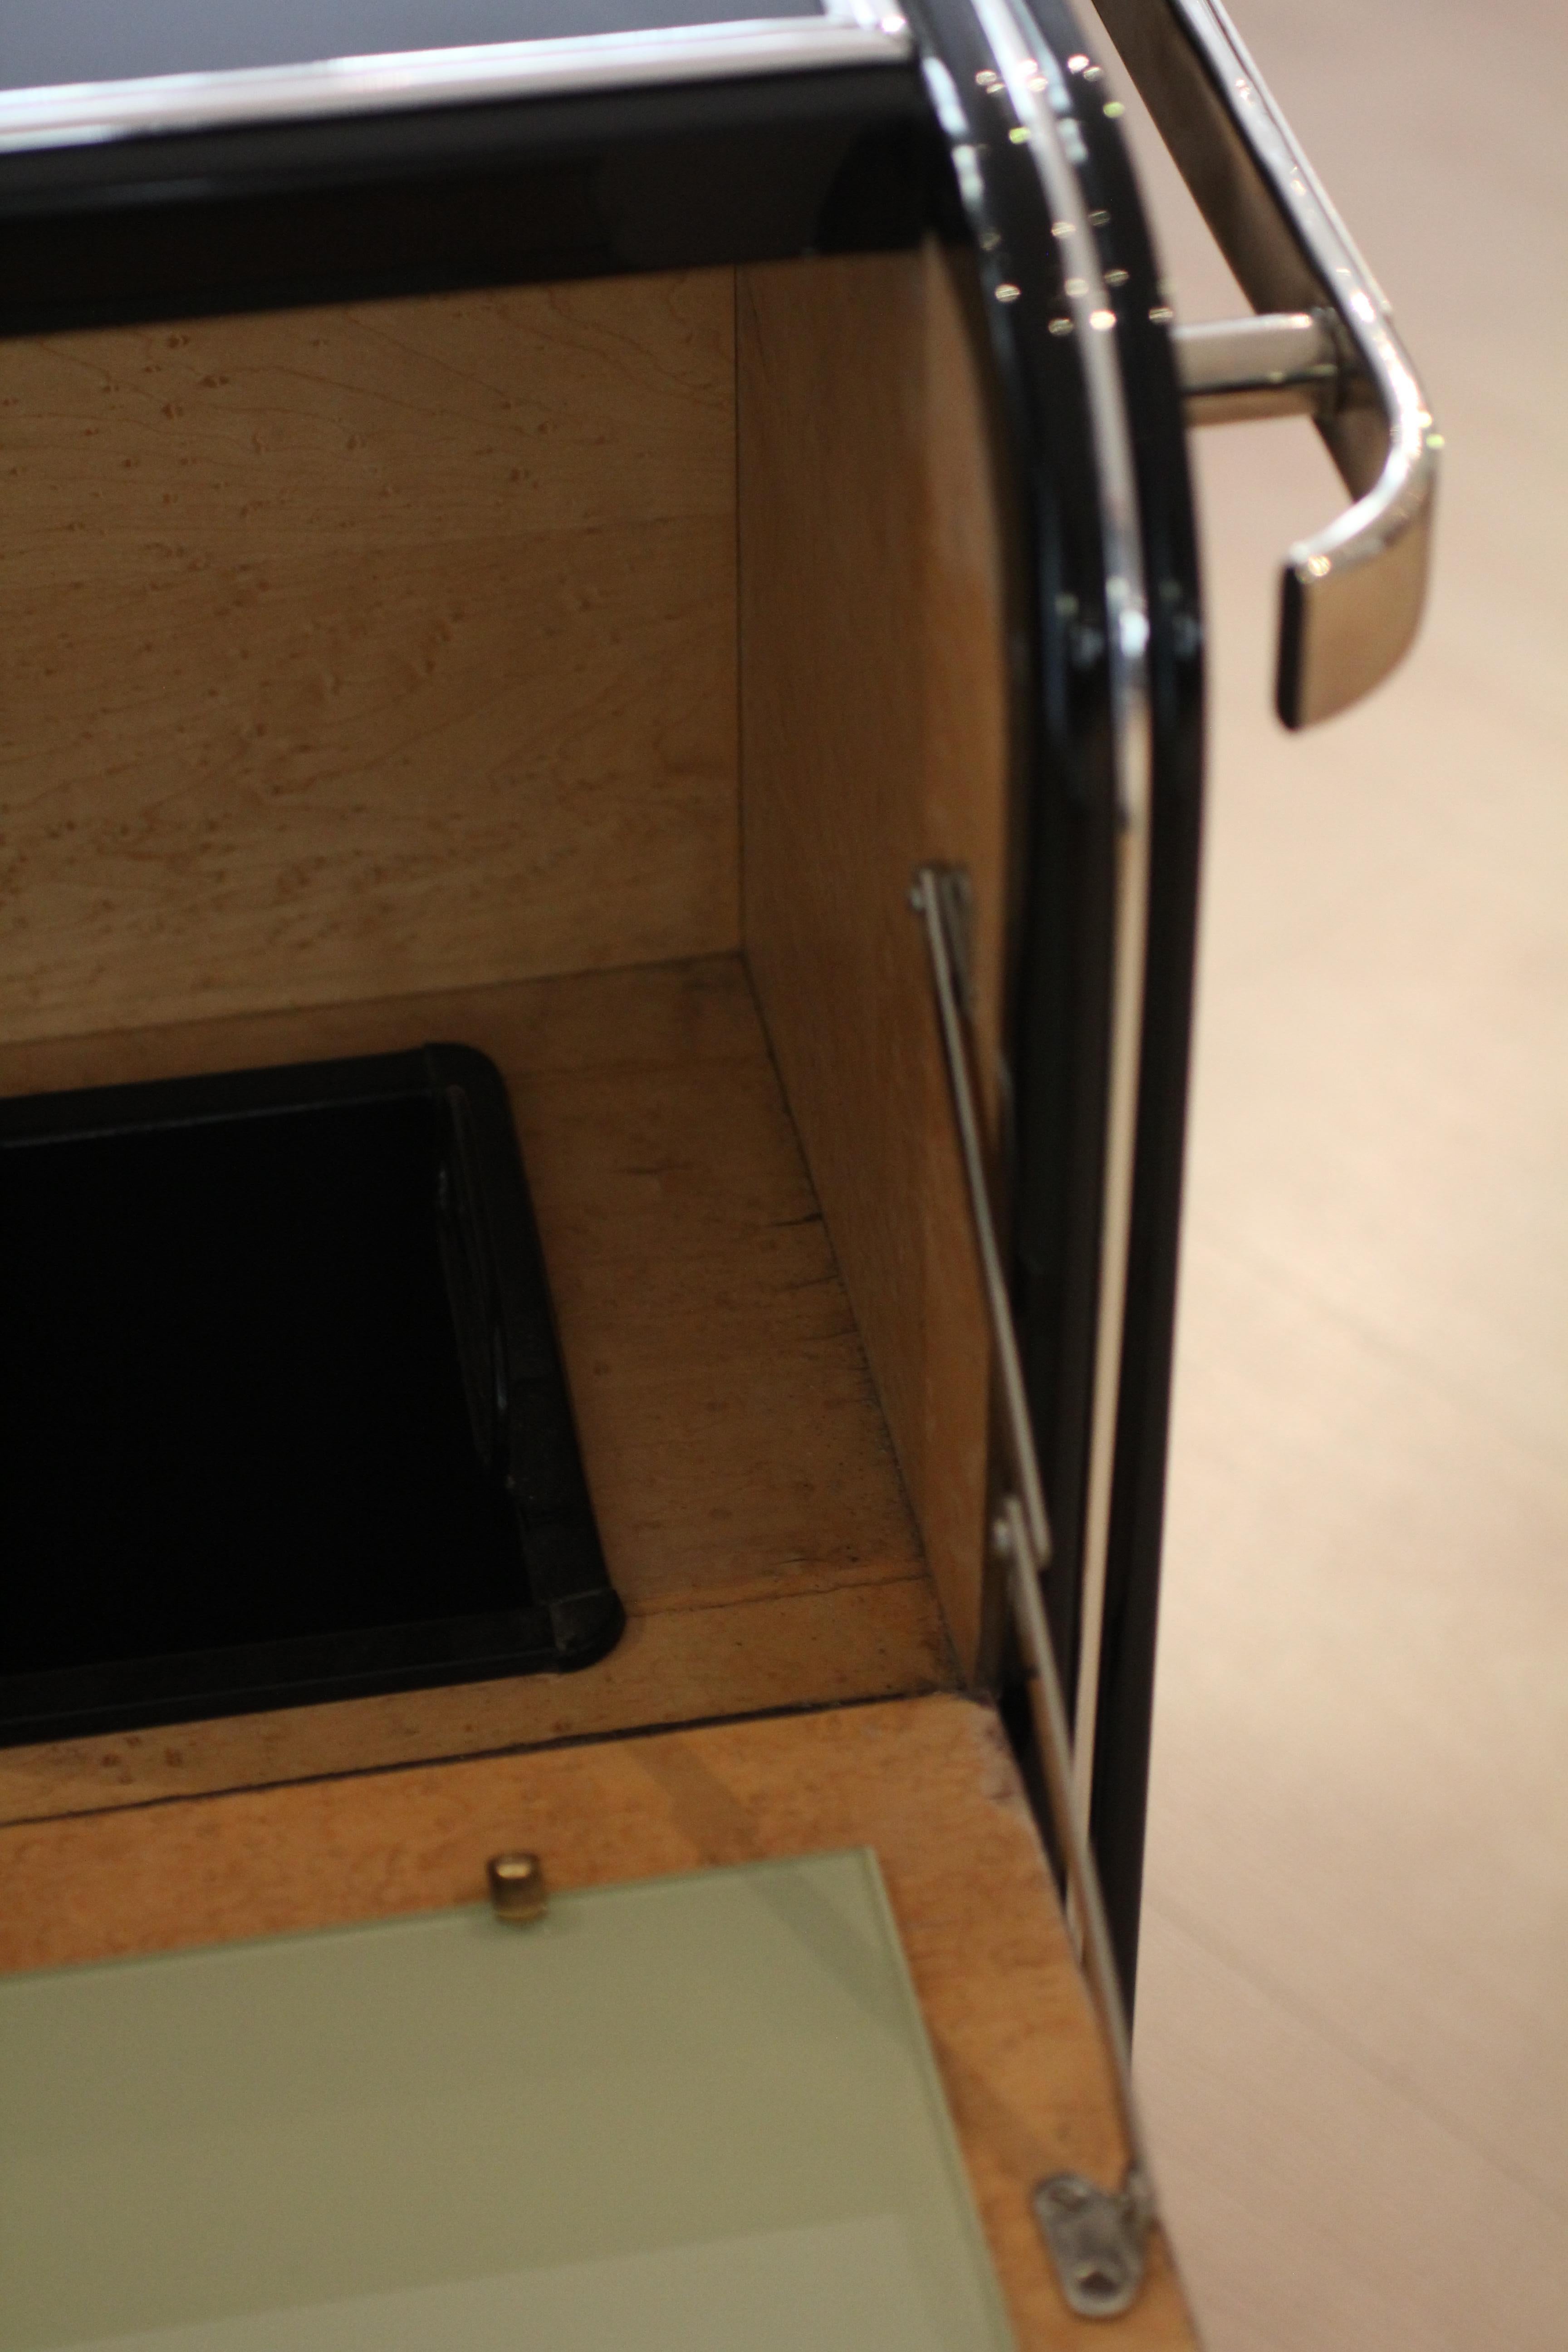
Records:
x=695, y=2115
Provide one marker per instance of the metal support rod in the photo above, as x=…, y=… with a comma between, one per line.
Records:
x=1096, y=2236
x=1280, y=364
x=941, y=896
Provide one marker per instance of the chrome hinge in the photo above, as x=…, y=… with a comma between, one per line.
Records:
x=1097, y=2237
x=1097, y=2240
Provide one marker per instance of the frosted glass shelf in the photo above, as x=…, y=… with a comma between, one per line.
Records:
x=689, y=2115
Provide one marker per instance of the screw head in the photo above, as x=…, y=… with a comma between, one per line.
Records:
x=518, y=1889
x=1095, y=2238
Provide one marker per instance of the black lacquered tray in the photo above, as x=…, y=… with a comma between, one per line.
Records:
x=282, y=1412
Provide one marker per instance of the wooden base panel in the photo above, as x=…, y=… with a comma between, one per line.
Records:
x=357, y=650
x=928, y=1783
x=803, y=1649
x=746, y=1492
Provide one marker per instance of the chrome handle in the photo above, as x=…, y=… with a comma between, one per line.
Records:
x=1351, y=597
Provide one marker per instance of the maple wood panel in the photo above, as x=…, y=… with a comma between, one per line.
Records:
x=349, y=652
x=874, y=736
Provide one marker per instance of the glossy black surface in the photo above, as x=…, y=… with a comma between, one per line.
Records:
x=281, y=1416
x=585, y=186
x=1064, y=880
x=113, y=40
x=1176, y=685
x=1062, y=871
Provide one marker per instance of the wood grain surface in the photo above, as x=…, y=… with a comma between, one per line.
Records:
x=678, y=1665
x=359, y=668
x=874, y=736
x=735, y=1450
x=349, y=652
x=927, y=1783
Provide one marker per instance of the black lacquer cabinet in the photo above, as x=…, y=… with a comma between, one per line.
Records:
x=535, y=527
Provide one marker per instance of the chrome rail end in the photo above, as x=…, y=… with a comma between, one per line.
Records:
x=1353, y=594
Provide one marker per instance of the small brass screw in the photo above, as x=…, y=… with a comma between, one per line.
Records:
x=518, y=1889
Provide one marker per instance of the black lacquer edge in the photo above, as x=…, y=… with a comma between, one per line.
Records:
x=124, y=1109
x=576, y=1616
x=1061, y=988
x=543, y=1470
x=529, y=191
x=1126, y=1692
x=1126, y=1681
x=194, y=1686
x=1061, y=913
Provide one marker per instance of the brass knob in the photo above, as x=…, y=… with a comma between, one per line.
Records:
x=518, y=1891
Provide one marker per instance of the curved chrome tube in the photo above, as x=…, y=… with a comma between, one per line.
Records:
x=1352, y=594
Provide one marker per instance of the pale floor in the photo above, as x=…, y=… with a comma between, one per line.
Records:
x=1352, y=2030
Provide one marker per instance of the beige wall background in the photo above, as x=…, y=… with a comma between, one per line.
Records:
x=1352, y=2030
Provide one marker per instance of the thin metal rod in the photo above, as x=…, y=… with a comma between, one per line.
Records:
x=927, y=898
x=1279, y=363
x=1022, y=1533
x=1049, y=1714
